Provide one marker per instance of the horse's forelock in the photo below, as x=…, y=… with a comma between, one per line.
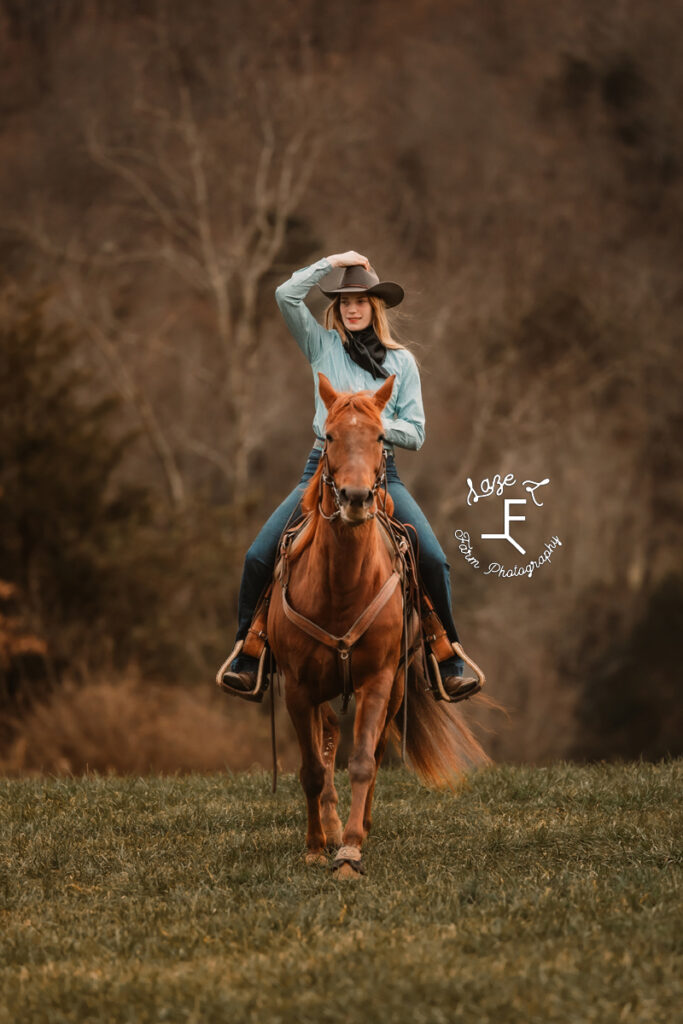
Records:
x=361, y=401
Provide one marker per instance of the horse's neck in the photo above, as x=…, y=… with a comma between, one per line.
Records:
x=350, y=558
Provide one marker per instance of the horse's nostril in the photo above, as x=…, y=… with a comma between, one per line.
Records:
x=356, y=497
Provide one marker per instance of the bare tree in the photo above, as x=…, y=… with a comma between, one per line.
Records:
x=205, y=186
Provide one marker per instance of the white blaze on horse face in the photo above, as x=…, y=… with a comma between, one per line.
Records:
x=354, y=421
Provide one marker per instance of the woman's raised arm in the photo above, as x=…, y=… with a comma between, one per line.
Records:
x=308, y=333
x=290, y=295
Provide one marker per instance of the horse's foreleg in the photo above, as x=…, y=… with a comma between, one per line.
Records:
x=392, y=708
x=329, y=799
x=306, y=719
x=371, y=714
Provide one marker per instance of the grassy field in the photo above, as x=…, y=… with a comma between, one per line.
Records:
x=534, y=895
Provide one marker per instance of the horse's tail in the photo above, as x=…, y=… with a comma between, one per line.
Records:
x=439, y=743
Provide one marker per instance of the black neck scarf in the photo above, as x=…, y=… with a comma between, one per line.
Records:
x=367, y=351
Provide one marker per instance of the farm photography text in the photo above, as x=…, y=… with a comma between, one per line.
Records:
x=496, y=486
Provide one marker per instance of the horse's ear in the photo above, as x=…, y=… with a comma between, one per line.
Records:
x=383, y=394
x=327, y=392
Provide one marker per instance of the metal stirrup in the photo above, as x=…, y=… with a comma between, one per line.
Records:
x=225, y=667
x=470, y=691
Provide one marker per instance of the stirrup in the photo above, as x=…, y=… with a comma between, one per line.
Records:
x=261, y=677
x=437, y=683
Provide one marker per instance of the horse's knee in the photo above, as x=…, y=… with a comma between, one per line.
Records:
x=362, y=767
x=312, y=777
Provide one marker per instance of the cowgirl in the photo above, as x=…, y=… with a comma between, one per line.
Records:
x=356, y=352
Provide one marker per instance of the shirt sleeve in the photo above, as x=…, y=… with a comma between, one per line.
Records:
x=407, y=429
x=309, y=335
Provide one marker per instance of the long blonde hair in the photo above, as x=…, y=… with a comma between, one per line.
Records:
x=380, y=320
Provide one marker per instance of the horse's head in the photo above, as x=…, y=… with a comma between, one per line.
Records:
x=354, y=449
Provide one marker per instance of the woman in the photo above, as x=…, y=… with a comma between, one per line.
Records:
x=356, y=352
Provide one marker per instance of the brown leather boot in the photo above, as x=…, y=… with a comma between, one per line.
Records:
x=243, y=684
x=459, y=688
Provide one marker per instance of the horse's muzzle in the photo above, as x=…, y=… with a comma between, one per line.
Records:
x=355, y=505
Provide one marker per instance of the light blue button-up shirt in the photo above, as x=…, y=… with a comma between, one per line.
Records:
x=403, y=418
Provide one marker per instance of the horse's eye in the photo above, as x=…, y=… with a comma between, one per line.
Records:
x=381, y=438
x=328, y=437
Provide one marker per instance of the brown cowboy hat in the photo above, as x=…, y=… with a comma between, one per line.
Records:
x=358, y=281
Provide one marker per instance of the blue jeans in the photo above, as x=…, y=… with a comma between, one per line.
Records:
x=260, y=558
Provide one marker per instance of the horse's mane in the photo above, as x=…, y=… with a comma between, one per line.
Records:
x=309, y=502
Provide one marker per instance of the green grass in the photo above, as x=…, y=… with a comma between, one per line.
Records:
x=536, y=895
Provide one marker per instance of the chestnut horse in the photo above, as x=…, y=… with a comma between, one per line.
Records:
x=332, y=579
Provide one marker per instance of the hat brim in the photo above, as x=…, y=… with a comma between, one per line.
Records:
x=391, y=292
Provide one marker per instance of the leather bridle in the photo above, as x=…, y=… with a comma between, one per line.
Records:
x=328, y=480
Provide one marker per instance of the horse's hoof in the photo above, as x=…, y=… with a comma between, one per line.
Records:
x=348, y=863
x=346, y=873
x=315, y=857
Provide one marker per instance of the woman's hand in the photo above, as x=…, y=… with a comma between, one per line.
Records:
x=349, y=259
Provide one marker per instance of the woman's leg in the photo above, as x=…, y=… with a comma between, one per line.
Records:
x=434, y=569
x=260, y=559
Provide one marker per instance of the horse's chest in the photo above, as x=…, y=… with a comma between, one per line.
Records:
x=318, y=666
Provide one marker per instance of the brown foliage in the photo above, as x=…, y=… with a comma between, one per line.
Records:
x=16, y=640
x=128, y=727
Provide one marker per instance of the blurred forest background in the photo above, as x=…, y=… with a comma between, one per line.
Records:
x=163, y=166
